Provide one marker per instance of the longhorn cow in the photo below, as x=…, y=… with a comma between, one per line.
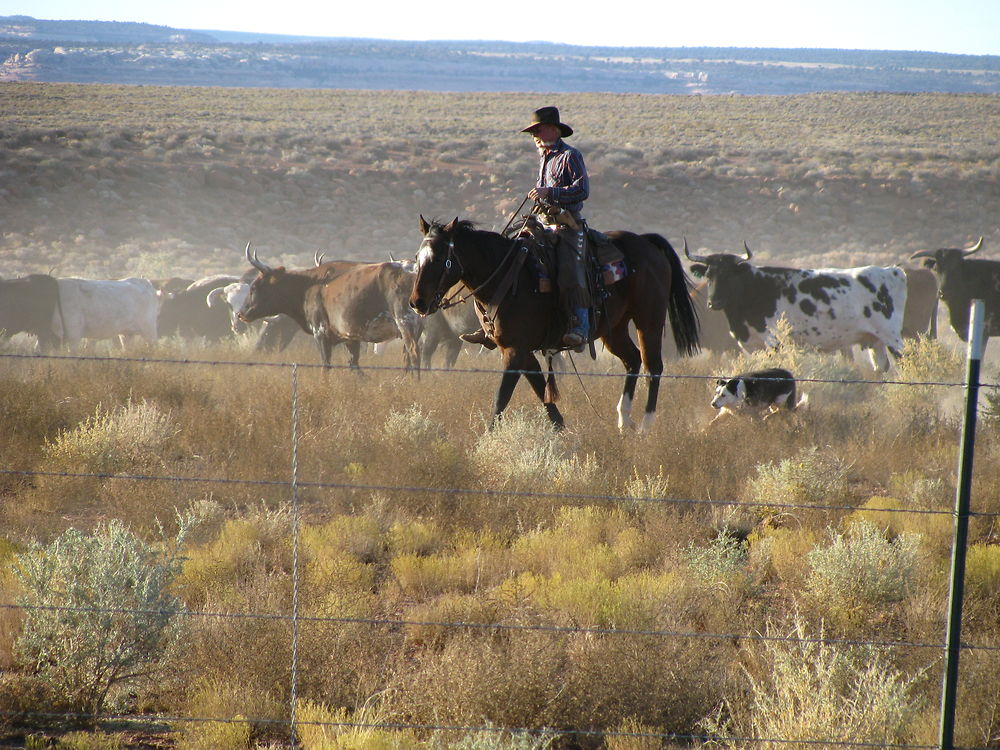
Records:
x=830, y=309
x=961, y=280
x=339, y=302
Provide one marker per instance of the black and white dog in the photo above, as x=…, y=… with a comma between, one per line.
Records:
x=755, y=392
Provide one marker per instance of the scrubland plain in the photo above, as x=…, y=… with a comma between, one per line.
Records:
x=745, y=585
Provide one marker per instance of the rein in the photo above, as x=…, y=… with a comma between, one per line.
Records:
x=445, y=303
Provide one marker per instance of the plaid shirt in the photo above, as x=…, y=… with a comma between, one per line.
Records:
x=562, y=169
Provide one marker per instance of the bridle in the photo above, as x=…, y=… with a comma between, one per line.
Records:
x=438, y=301
x=443, y=303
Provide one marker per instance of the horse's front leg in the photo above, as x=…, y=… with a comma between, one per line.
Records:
x=516, y=364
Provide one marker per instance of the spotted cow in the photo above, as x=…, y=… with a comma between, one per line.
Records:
x=830, y=309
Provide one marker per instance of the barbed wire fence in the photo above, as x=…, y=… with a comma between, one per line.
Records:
x=949, y=648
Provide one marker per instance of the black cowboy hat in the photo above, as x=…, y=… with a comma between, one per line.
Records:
x=548, y=116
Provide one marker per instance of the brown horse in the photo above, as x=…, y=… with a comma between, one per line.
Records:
x=525, y=320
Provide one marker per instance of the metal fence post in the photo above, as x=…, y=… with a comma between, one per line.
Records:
x=962, y=495
x=295, y=555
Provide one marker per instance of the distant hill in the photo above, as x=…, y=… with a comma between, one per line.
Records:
x=137, y=53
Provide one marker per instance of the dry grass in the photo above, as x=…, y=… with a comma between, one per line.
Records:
x=385, y=536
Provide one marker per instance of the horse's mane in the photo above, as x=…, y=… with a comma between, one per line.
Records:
x=463, y=225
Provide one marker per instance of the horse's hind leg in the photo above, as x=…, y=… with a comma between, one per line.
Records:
x=621, y=345
x=651, y=346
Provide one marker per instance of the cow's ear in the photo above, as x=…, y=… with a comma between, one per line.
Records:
x=929, y=263
x=424, y=226
x=698, y=270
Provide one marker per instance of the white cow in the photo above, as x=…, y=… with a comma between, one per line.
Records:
x=106, y=309
x=233, y=296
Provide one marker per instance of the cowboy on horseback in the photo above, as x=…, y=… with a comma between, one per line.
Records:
x=561, y=189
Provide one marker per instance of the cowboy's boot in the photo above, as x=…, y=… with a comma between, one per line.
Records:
x=579, y=331
x=479, y=337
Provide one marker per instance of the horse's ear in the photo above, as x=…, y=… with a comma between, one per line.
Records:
x=451, y=225
x=424, y=226
x=698, y=270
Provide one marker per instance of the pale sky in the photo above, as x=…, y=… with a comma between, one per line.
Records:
x=957, y=26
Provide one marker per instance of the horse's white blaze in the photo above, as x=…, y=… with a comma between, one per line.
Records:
x=424, y=253
x=624, y=412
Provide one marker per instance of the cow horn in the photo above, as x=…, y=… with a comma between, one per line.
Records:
x=975, y=248
x=318, y=258
x=262, y=267
x=923, y=254
x=747, y=248
x=695, y=258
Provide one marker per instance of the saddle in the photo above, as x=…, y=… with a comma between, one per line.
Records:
x=606, y=261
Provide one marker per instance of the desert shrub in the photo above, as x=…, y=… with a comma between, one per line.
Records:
x=244, y=550
x=583, y=542
x=982, y=584
x=650, y=679
x=860, y=570
x=129, y=436
x=430, y=622
x=10, y=618
x=322, y=728
x=893, y=517
x=524, y=452
x=920, y=490
x=223, y=713
x=99, y=619
x=919, y=408
x=782, y=552
x=811, y=477
x=489, y=738
x=645, y=487
x=507, y=681
x=420, y=446
x=476, y=561
x=806, y=690
x=417, y=537
x=720, y=564
x=91, y=741
x=633, y=735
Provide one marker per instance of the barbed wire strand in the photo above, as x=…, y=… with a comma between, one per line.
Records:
x=454, y=370
x=480, y=491
x=399, y=623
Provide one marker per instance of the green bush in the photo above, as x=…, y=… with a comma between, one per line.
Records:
x=860, y=571
x=98, y=617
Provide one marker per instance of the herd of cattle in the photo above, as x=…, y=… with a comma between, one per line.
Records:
x=353, y=302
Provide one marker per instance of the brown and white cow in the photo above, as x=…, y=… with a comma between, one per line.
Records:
x=364, y=302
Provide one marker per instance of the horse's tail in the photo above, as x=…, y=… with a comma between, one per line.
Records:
x=551, y=389
x=683, y=316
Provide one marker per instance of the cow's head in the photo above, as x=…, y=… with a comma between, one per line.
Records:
x=264, y=293
x=725, y=274
x=946, y=259
x=233, y=296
